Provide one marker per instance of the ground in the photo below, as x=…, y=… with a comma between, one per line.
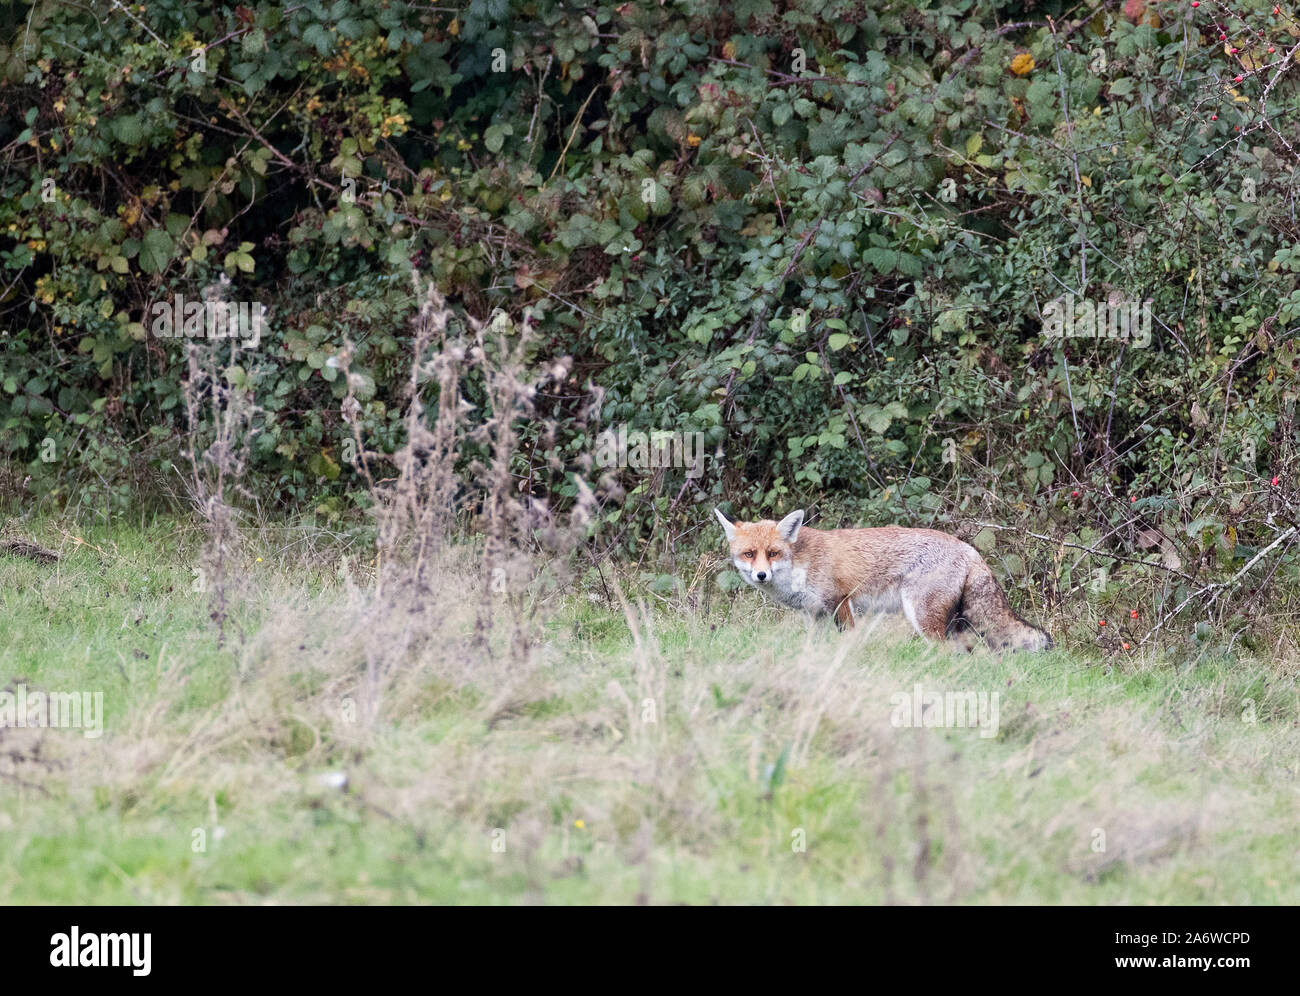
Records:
x=352, y=746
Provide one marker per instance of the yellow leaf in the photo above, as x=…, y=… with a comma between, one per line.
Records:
x=1022, y=64
x=454, y=29
x=729, y=50
x=1086, y=181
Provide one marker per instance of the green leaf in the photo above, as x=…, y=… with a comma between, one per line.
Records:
x=879, y=421
x=494, y=138
x=882, y=260
x=156, y=250
x=128, y=129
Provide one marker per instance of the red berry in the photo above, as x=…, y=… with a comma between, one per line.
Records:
x=1196, y=3
x=1132, y=499
x=1133, y=613
x=1233, y=51
x=1222, y=36
x=1102, y=623
x=1126, y=646
x=1214, y=117
x=1271, y=50
x=1275, y=480
x=1238, y=79
x=1074, y=494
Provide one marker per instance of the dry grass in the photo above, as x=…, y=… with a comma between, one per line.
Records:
x=631, y=754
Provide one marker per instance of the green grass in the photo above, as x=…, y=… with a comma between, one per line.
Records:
x=651, y=754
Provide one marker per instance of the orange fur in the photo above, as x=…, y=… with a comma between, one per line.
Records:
x=942, y=585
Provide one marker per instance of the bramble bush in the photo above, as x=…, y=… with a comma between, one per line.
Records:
x=826, y=236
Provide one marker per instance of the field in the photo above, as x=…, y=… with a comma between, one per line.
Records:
x=348, y=745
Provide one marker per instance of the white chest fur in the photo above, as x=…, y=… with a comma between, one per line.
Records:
x=790, y=587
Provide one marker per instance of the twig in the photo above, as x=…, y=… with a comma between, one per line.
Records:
x=572, y=133
x=1220, y=585
x=1089, y=549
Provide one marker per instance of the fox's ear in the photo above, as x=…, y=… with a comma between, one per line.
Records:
x=728, y=527
x=788, y=528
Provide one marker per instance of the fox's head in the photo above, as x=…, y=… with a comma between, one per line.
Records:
x=762, y=550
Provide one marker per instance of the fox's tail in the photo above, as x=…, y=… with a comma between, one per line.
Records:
x=985, y=607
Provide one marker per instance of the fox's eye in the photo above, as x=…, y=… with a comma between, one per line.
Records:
x=748, y=554
x=773, y=554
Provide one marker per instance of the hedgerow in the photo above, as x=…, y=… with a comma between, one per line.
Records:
x=827, y=237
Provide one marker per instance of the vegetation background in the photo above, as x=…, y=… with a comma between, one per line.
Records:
x=821, y=234
x=825, y=236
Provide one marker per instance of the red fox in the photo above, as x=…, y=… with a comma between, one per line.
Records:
x=940, y=584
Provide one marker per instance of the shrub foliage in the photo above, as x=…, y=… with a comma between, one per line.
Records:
x=961, y=261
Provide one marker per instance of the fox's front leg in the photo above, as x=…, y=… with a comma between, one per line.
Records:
x=844, y=615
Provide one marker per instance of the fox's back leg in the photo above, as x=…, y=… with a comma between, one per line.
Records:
x=930, y=608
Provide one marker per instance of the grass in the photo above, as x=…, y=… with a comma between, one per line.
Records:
x=643, y=752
